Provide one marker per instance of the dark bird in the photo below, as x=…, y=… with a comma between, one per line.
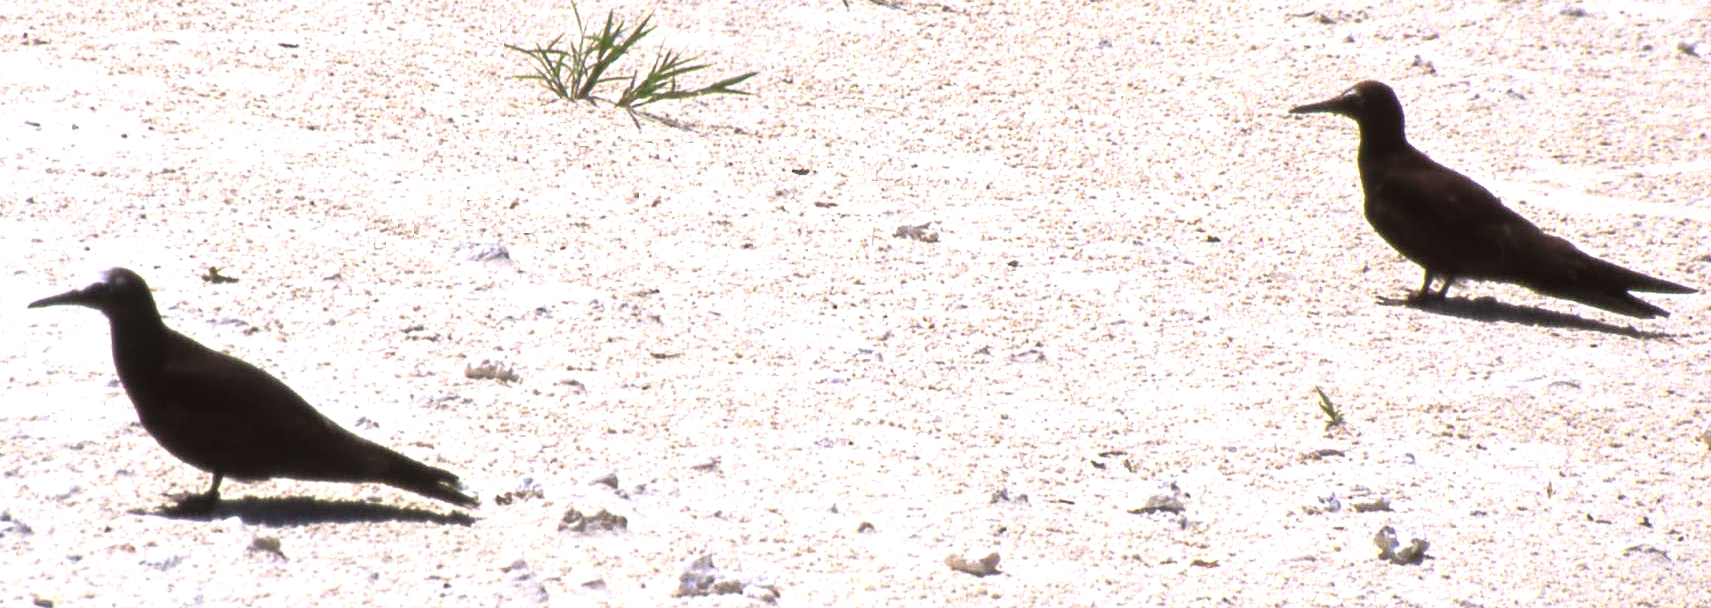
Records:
x=1456, y=229
x=228, y=417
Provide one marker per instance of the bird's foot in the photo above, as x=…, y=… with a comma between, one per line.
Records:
x=1412, y=299
x=194, y=504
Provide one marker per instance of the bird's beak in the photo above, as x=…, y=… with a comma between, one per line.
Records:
x=77, y=297
x=1341, y=104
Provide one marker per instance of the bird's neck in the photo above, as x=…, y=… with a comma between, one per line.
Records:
x=1382, y=137
x=1380, y=146
x=139, y=343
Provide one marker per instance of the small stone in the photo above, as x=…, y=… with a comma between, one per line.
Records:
x=609, y=479
x=522, y=587
x=576, y=386
x=491, y=370
x=487, y=253
x=527, y=489
x=602, y=521
x=10, y=526
x=701, y=578
x=709, y=463
x=1166, y=499
x=1370, y=505
x=1003, y=495
x=697, y=577
x=267, y=545
x=162, y=561
x=213, y=276
x=1649, y=552
x=419, y=331
x=1425, y=65
x=979, y=566
x=765, y=593
x=1320, y=454
x=1032, y=355
x=922, y=232
x=1327, y=502
x=1400, y=548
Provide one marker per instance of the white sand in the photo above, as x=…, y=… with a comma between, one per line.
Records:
x=1076, y=156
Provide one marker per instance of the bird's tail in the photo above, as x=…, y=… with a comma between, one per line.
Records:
x=1601, y=284
x=1635, y=281
x=1616, y=301
x=438, y=484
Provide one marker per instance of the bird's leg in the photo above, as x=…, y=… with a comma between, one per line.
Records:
x=202, y=503
x=1446, y=290
x=213, y=494
x=1426, y=288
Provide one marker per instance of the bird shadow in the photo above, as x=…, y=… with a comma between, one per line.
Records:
x=302, y=511
x=1488, y=309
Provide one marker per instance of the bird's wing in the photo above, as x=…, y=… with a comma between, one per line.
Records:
x=1445, y=221
x=1450, y=224
x=246, y=422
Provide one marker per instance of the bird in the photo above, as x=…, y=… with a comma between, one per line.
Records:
x=1456, y=229
x=228, y=417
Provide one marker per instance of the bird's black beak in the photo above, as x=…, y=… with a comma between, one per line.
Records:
x=75, y=297
x=1342, y=104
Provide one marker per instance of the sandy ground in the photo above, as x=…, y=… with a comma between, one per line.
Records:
x=1144, y=267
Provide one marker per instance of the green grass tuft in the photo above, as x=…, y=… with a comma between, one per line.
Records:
x=573, y=71
x=1333, y=418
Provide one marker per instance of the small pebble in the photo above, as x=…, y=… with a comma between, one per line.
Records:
x=921, y=232
x=986, y=565
x=1166, y=499
x=491, y=370
x=700, y=578
x=707, y=463
x=521, y=587
x=527, y=489
x=1327, y=502
x=1370, y=504
x=1404, y=548
x=268, y=545
x=10, y=526
x=608, y=479
x=487, y=253
x=602, y=521
x=1003, y=495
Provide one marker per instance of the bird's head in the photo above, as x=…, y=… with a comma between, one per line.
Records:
x=1367, y=99
x=1373, y=106
x=119, y=290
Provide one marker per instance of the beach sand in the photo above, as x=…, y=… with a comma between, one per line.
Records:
x=1136, y=268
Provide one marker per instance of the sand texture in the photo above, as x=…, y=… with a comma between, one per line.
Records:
x=1097, y=361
